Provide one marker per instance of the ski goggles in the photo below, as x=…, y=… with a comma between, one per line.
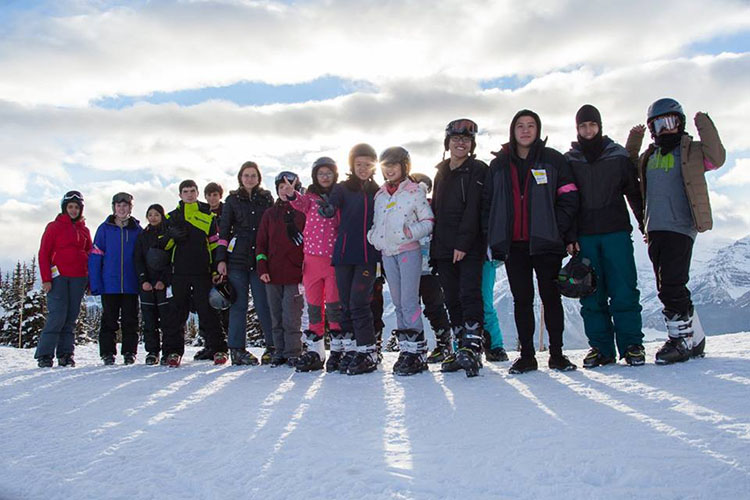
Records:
x=462, y=126
x=290, y=177
x=74, y=196
x=122, y=198
x=666, y=122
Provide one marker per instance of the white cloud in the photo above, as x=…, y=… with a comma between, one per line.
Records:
x=738, y=175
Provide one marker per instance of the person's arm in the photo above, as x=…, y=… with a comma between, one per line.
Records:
x=714, y=154
x=225, y=232
x=46, y=249
x=139, y=259
x=262, y=244
x=566, y=201
x=425, y=218
x=634, y=142
x=96, y=262
x=632, y=192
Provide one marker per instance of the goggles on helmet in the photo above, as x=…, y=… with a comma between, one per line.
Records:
x=72, y=196
x=123, y=198
x=290, y=177
x=666, y=122
x=462, y=126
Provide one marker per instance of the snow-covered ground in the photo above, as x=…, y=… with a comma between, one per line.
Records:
x=205, y=431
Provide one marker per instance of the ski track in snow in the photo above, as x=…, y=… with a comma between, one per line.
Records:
x=205, y=431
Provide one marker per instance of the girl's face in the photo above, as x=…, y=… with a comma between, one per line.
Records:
x=324, y=176
x=73, y=210
x=154, y=217
x=392, y=172
x=250, y=178
x=364, y=167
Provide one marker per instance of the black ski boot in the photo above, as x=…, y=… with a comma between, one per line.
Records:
x=392, y=345
x=674, y=350
x=442, y=347
x=365, y=361
x=379, y=345
x=699, y=349
x=337, y=351
x=497, y=354
x=635, y=355
x=204, y=354
x=267, y=356
x=560, y=362
x=242, y=357
x=66, y=360
x=312, y=359
x=45, y=361
x=108, y=359
x=413, y=348
x=595, y=358
x=152, y=358
x=350, y=352
x=128, y=358
x=523, y=364
x=469, y=355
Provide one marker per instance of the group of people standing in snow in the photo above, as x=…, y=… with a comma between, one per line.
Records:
x=438, y=243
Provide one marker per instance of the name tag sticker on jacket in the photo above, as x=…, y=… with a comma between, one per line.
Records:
x=232, y=243
x=55, y=272
x=390, y=205
x=169, y=292
x=540, y=176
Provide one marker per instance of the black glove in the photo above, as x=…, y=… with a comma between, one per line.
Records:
x=325, y=209
x=177, y=229
x=291, y=229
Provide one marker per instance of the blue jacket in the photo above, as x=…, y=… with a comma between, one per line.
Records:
x=111, y=263
x=354, y=200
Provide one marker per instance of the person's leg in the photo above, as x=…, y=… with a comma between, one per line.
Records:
x=313, y=279
x=260, y=301
x=275, y=295
x=675, y=251
x=291, y=321
x=165, y=315
x=434, y=303
x=57, y=313
x=129, y=323
x=393, y=273
x=149, y=320
x=359, y=305
x=410, y=268
x=344, y=279
x=449, y=282
x=491, y=321
x=597, y=321
x=547, y=267
x=333, y=309
x=66, y=340
x=240, y=280
x=377, y=304
x=520, y=279
x=174, y=329
x=109, y=324
x=470, y=283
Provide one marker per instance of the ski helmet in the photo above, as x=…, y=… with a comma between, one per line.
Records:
x=324, y=161
x=122, y=197
x=72, y=197
x=397, y=154
x=423, y=179
x=461, y=126
x=665, y=106
x=576, y=279
x=289, y=176
x=361, y=149
x=222, y=296
x=157, y=259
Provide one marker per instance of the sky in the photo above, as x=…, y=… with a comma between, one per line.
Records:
x=106, y=96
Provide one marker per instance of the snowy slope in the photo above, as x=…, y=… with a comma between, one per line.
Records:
x=202, y=431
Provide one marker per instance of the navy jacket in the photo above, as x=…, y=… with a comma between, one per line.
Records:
x=355, y=201
x=111, y=263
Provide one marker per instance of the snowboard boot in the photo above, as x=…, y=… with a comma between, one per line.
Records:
x=560, y=362
x=350, y=352
x=413, y=348
x=635, y=355
x=163, y=360
x=364, y=361
x=392, y=345
x=174, y=360
x=108, y=360
x=523, y=364
x=128, y=358
x=679, y=345
x=152, y=358
x=45, y=361
x=469, y=355
x=66, y=360
x=595, y=358
x=267, y=356
x=337, y=351
x=496, y=354
x=220, y=358
x=442, y=347
x=204, y=354
x=313, y=358
x=242, y=357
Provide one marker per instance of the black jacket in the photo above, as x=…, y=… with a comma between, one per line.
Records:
x=602, y=185
x=354, y=199
x=457, y=204
x=193, y=237
x=552, y=201
x=150, y=237
x=240, y=220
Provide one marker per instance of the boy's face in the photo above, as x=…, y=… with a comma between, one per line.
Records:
x=459, y=146
x=122, y=209
x=73, y=210
x=364, y=166
x=189, y=194
x=588, y=130
x=213, y=199
x=525, y=131
x=324, y=176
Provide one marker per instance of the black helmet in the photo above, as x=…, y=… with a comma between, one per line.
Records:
x=423, y=179
x=222, y=296
x=462, y=126
x=397, y=154
x=361, y=149
x=576, y=279
x=324, y=161
x=289, y=176
x=157, y=259
x=662, y=107
x=71, y=197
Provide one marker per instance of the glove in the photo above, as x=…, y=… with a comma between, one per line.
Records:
x=177, y=229
x=291, y=229
x=325, y=209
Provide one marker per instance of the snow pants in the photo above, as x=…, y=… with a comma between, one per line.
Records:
x=183, y=287
x=431, y=294
x=155, y=313
x=612, y=314
x=355, y=284
x=119, y=310
x=285, y=303
x=403, y=272
x=491, y=322
x=321, y=293
x=521, y=267
x=63, y=306
x=462, y=287
x=670, y=254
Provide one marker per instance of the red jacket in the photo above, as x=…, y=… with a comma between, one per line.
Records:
x=66, y=246
x=275, y=252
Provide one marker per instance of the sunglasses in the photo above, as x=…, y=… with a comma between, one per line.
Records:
x=666, y=122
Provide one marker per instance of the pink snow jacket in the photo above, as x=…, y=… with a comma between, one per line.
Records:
x=408, y=206
x=320, y=233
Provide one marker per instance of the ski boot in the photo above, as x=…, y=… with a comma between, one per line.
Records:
x=152, y=358
x=558, y=361
x=392, y=345
x=220, y=357
x=265, y=358
x=413, y=348
x=278, y=359
x=523, y=364
x=450, y=363
x=313, y=359
x=469, y=355
x=635, y=355
x=66, y=360
x=242, y=357
x=204, y=354
x=379, y=345
x=174, y=360
x=699, y=337
x=496, y=354
x=45, y=361
x=350, y=352
x=442, y=348
x=679, y=345
x=108, y=360
x=595, y=358
x=163, y=360
x=128, y=358
x=364, y=361
x=337, y=351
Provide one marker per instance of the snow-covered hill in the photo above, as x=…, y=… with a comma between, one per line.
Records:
x=209, y=432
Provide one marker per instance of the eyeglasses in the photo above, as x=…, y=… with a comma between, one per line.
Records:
x=666, y=122
x=462, y=126
x=461, y=138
